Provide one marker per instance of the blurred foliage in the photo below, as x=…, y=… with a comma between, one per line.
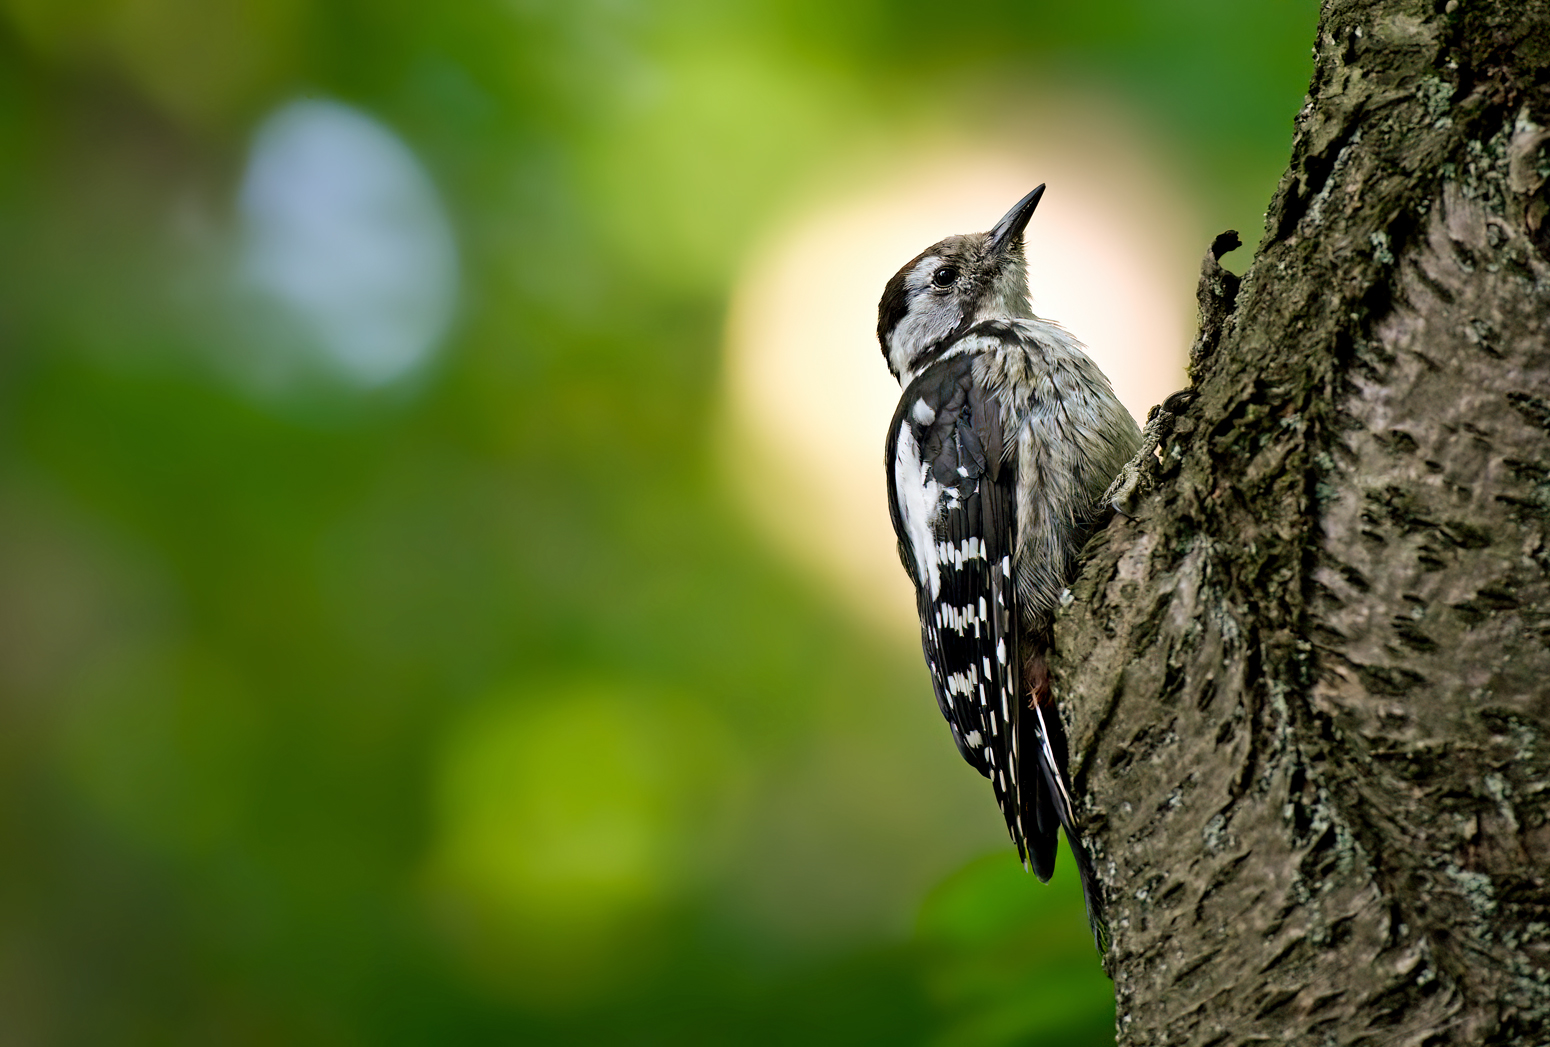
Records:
x=465, y=709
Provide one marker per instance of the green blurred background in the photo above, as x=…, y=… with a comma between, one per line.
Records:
x=382, y=659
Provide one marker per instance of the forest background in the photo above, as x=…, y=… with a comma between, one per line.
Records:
x=426, y=613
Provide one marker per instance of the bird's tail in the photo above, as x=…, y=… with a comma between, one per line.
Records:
x=1049, y=799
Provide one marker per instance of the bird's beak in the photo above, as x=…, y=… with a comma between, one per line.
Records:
x=1010, y=229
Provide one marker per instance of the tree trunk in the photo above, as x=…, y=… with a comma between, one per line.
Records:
x=1308, y=680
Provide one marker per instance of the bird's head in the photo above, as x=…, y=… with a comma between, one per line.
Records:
x=953, y=285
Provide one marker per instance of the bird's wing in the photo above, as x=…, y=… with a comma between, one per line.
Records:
x=953, y=501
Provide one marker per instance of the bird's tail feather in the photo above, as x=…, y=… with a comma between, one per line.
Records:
x=1052, y=794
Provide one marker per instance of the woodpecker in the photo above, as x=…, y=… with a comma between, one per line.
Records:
x=1004, y=441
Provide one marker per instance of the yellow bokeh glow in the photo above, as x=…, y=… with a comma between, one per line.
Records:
x=567, y=816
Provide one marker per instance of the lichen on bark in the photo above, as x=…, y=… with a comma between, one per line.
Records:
x=1307, y=680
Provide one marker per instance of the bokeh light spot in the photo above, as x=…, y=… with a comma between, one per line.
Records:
x=565, y=818
x=347, y=246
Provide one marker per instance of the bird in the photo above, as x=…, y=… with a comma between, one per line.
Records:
x=1004, y=441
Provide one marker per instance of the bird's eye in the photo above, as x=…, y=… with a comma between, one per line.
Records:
x=944, y=276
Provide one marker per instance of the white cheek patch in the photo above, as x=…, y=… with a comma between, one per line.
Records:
x=919, y=328
x=927, y=319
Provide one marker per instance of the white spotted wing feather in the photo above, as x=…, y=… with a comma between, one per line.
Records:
x=953, y=501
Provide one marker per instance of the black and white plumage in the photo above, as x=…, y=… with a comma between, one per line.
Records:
x=1005, y=438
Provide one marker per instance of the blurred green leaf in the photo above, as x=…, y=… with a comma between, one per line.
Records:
x=1011, y=960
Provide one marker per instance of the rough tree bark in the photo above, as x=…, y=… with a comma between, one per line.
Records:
x=1308, y=680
